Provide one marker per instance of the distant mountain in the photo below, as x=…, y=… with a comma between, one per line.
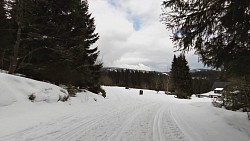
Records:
x=200, y=70
x=119, y=69
x=131, y=70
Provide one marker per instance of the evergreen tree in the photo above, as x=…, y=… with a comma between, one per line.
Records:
x=85, y=58
x=217, y=29
x=186, y=76
x=219, y=32
x=55, y=42
x=181, y=78
x=174, y=73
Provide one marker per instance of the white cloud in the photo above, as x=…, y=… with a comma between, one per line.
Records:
x=132, y=36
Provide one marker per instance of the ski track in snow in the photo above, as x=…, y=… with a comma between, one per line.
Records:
x=165, y=127
x=151, y=121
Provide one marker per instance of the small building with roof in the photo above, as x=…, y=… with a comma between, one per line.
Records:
x=218, y=90
x=219, y=84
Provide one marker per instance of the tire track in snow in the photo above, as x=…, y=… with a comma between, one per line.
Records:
x=157, y=133
x=84, y=128
x=111, y=129
x=32, y=131
x=147, y=121
x=74, y=128
x=60, y=127
x=185, y=126
x=137, y=126
x=165, y=127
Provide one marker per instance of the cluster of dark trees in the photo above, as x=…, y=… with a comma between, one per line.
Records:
x=50, y=40
x=202, y=81
x=218, y=30
x=135, y=79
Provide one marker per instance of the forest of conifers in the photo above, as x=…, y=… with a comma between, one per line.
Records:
x=202, y=81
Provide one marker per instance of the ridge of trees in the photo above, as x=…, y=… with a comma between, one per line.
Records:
x=135, y=79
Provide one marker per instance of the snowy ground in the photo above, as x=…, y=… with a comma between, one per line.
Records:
x=123, y=116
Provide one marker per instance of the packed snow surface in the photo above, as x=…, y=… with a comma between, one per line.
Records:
x=123, y=115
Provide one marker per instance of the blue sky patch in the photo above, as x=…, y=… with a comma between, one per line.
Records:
x=136, y=24
x=136, y=21
x=112, y=2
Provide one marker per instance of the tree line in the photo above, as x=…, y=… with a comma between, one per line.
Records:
x=50, y=40
x=201, y=81
x=135, y=79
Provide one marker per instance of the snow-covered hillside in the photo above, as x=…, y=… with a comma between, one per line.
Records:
x=18, y=89
x=122, y=115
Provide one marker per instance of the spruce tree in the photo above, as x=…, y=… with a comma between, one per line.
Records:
x=56, y=39
x=181, y=79
x=219, y=32
x=217, y=29
x=85, y=57
x=174, y=73
x=185, y=76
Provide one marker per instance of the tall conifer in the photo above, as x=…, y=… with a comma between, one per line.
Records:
x=56, y=43
x=180, y=77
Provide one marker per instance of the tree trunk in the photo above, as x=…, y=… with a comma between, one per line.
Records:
x=14, y=58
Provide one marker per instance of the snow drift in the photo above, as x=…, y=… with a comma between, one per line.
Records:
x=19, y=89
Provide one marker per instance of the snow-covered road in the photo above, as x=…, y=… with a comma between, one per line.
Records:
x=127, y=116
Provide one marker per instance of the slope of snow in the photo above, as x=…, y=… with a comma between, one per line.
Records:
x=123, y=115
x=17, y=112
x=17, y=89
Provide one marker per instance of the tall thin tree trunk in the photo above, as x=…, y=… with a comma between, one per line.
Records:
x=14, y=59
x=2, y=59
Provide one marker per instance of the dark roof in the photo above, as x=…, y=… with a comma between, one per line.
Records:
x=219, y=85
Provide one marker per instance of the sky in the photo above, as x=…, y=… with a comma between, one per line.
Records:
x=132, y=36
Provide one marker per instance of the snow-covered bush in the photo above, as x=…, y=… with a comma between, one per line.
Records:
x=72, y=90
x=103, y=92
x=63, y=98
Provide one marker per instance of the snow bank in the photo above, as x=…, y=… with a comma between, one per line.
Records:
x=209, y=94
x=87, y=97
x=18, y=89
